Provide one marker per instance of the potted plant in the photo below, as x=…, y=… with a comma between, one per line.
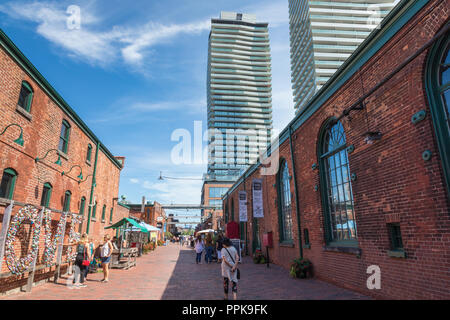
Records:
x=301, y=268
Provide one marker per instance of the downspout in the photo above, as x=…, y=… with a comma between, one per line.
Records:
x=92, y=187
x=297, y=203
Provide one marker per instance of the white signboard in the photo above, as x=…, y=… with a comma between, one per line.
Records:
x=242, y=206
x=258, y=209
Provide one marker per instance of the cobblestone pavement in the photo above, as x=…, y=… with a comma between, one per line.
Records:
x=170, y=273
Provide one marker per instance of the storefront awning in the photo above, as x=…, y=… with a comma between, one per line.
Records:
x=126, y=222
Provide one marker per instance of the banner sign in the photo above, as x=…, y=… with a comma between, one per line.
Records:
x=242, y=206
x=258, y=209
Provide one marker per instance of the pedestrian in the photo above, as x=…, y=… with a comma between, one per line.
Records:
x=91, y=249
x=105, y=254
x=219, y=247
x=230, y=259
x=82, y=261
x=209, y=248
x=199, y=246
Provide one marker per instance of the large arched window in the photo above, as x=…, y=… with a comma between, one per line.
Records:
x=336, y=185
x=82, y=205
x=285, y=206
x=438, y=90
x=8, y=183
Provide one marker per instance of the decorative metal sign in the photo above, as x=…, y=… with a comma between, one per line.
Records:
x=242, y=206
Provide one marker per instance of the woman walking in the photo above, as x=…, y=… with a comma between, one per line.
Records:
x=105, y=253
x=209, y=248
x=199, y=249
x=230, y=259
x=80, y=264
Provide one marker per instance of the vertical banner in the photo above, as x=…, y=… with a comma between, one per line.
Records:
x=258, y=209
x=242, y=206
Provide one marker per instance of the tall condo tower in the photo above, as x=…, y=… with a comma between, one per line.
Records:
x=323, y=35
x=239, y=94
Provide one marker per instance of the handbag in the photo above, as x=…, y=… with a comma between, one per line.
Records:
x=238, y=275
x=85, y=262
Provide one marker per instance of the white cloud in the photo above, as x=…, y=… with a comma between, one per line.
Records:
x=135, y=181
x=88, y=43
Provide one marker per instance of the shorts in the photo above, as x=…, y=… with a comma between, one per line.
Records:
x=106, y=259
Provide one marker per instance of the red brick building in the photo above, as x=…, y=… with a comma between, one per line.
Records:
x=153, y=214
x=212, y=192
x=60, y=164
x=364, y=169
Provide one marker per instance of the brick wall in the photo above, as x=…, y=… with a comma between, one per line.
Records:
x=394, y=183
x=42, y=127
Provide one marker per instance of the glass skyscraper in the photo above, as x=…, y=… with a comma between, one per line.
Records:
x=239, y=94
x=323, y=35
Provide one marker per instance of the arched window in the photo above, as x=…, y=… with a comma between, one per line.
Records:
x=82, y=205
x=111, y=215
x=46, y=194
x=336, y=185
x=103, y=213
x=89, y=153
x=8, y=183
x=94, y=210
x=25, y=96
x=438, y=90
x=285, y=207
x=64, y=138
x=66, y=205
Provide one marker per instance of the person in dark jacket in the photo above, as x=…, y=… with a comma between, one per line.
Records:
x=83, y=254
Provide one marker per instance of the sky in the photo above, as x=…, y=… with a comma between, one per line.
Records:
x=135, y=72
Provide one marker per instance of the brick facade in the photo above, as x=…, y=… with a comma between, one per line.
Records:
x=41, y=132
x=393, y=183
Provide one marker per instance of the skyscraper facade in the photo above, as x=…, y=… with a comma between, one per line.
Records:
x=323, y=35
x=239, y=94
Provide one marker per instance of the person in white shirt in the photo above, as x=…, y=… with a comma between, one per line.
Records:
x=230, y=259
x=105, y=254
x=199, y=247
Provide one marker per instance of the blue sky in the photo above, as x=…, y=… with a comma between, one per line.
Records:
x=136, y=71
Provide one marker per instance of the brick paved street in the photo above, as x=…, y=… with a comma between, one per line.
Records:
x=170, y=273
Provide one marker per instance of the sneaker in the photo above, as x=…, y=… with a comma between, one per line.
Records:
x=82, y=285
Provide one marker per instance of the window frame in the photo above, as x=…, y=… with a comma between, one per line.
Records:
x=82, y=205
x=11, y=184
x=89, y=153
x=434, y=92
x=66, y=138
x=111, y=214
x=104, y=213
x=324, y=186
x=30, y=96
x=281, y=214
x=49, y=187
x=67, y=199
x=94, y=210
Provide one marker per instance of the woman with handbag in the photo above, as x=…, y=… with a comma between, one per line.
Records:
x=82, y=261
x=230, y=271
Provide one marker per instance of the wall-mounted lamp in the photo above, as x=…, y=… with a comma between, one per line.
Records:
x=80, y=181
x=81, y=172
x=58, y=162
x=372, y=136
x=19, y=140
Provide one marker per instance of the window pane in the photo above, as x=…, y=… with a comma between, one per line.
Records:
x=24, y=97
x=6, y=185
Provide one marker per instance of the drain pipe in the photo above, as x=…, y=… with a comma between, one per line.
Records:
x=297, y=203
x=92, y=188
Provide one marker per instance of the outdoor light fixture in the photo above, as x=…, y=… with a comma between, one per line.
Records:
x=81, y=172
x=161, y=177
x=58, y=162
x=81, y=179
x=19, y=140
x=372, y=136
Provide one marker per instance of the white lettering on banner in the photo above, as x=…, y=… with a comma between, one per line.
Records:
x=258, y=209
x=242, y=206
